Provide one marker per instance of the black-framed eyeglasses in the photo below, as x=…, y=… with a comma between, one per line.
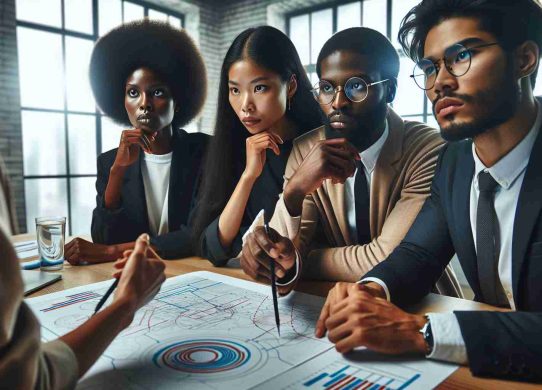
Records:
x=356, y=90
x=457, y=60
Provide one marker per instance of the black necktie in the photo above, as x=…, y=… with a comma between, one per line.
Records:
x=487, y=241
x=361, y=194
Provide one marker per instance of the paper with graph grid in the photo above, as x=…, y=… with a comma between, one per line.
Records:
x=202, y=331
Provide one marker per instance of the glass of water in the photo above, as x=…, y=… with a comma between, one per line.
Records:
x=50, y=232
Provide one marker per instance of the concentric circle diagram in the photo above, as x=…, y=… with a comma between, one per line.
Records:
x=208, y=356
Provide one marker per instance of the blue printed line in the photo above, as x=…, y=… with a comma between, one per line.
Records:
x=315, y=380
x=334, y=380
x=409, y=382
x=339, y=372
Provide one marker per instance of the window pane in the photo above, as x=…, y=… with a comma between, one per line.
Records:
x=78, y=15
x=400, y=9
x=409, y=98
x=157, y=15
x=83, y=201
x=375, y=15
x=110, y=134
x=538, y=86
x=43, y=143
x=321, y=31
x=431, y=121
x=299, y=34
x=45, y=197
x=418, y=118
x=79, y=93
x=192, y=127
x=133, y=12
x=175, y=22
x=109, y=14
x=46, y=12
x=348, y=15
x=41, y=85
x=82, y=144
x=313, y=77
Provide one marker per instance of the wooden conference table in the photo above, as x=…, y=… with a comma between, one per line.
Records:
x=460, y=379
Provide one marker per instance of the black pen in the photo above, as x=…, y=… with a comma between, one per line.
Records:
x=273, y=277
x=115, y=284
x=106, y=295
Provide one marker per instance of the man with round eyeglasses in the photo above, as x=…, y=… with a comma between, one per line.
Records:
x=478, y=62
x=352, y=188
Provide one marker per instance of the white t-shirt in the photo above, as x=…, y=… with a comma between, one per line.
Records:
x=155, y=170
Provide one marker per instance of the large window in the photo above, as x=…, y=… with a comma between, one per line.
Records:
x=310, y=28
x=63, y=132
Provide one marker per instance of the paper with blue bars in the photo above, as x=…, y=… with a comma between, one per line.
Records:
x=362, y=370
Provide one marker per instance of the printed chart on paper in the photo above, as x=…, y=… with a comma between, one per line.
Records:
x=201, y=331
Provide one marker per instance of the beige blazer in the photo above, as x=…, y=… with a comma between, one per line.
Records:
x=401, y=182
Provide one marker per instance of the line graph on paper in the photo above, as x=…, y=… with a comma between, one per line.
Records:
x=201, y=331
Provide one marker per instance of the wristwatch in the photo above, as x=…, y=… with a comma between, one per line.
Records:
x=427, y=336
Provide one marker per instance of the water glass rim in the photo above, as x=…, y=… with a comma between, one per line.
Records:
x=54, y=218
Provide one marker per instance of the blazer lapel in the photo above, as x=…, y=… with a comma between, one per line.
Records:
x=335, y=193
x=527, y=212
x=385, y=172
x=135, y=189
x=460, y=215
x=177, y=209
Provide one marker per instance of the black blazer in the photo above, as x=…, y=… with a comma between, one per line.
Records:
x=507, y=345
x=127, y=222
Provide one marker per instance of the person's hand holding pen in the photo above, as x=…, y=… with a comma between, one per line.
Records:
x=140, y=276
x=260, y=249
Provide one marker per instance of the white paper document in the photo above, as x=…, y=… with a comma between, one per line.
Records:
x=208, y=331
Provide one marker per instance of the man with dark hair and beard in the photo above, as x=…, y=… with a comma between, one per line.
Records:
x=352, y=188
x=477, y=62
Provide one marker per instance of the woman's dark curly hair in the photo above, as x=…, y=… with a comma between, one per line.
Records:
x=166, y=50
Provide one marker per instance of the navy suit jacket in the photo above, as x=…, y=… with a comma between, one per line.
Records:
x=130, y=219
x=507, y=345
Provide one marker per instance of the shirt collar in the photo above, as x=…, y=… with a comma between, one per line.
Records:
x=369, y=156
x=508, y=168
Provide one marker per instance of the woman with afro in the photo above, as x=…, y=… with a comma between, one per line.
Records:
x=264, y=102
x=149, y=77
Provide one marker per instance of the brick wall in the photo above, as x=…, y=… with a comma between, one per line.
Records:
x=10, y=106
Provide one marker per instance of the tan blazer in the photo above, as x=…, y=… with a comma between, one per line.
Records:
x=401, y=182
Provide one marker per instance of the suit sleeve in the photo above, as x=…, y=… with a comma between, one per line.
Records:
x=413, y=268
x=212, y=249
x=107, y=224
x=506, y=345
x=299, y=230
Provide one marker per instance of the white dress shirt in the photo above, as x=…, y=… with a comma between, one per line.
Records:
x=508, y=172
x=156, y=171
x=369, y=157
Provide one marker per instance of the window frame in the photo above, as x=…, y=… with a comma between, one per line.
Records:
x=64, y=33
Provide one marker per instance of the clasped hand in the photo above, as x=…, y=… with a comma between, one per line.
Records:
x=357, y=315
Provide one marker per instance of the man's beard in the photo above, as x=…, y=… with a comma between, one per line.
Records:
x=363, y=136
x=493, y=107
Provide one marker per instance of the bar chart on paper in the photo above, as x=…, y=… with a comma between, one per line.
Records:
x=352, y=378
x=332, y=371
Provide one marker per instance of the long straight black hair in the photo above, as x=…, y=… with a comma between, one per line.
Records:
x=226, y=155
